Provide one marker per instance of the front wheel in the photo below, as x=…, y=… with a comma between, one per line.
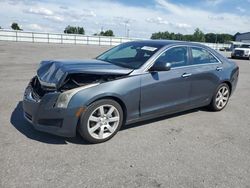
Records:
x=220, y=98
x=101, y=121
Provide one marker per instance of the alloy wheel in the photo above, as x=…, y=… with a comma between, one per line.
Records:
x=222, y=97
x=103, y=121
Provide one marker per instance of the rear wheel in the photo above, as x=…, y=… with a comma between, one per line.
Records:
x=220, y=98
x=101, y=121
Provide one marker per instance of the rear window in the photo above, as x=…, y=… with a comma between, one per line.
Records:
x=202, y=56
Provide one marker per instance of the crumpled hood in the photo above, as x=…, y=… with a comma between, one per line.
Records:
x=53, y=73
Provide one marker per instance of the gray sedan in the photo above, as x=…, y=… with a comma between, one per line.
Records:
x=132, y=82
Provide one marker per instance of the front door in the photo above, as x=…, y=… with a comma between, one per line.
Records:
x=166, y=91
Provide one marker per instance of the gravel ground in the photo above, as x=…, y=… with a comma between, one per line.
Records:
x=192, y=149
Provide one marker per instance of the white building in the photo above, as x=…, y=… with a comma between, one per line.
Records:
x=243, y=37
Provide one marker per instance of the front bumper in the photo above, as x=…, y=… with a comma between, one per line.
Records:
x=46, y=118
x=240, y=55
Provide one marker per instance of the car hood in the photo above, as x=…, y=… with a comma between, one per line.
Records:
x=245, y=49
x=53, y=73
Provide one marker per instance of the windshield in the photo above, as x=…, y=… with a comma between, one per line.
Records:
x=130, y=55
x=245, y=46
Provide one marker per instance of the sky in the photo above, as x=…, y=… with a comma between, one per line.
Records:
x=138, y=19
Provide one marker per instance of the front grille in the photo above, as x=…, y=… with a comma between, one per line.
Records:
x=51, y=122
x=28, y=116
x=239, y=52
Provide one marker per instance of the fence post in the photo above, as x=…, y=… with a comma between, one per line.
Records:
x=48, y=37
x=75, y=39
x=61, y=38
x=99, y=41
x=16, y=36
x=33, y=40
x=110, y=41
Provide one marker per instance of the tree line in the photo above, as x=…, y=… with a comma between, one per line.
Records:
x=197, y=36
x=80, y=30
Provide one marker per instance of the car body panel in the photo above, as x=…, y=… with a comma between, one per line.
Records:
x=169, y=88
x=55, y=72
x=141, y=93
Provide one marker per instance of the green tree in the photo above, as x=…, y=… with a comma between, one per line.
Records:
x=74, y=30
x=15, y=26
x=211, y=38
x=198, y=35
x=106, y=33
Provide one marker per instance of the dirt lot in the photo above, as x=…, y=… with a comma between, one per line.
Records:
x=192, y=149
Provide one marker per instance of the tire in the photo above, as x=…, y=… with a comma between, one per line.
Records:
x=101, y=121
x=220, y=98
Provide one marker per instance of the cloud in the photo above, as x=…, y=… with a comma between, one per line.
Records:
x=241, y=9
x=40, y=11
x=182, y=25
x=157, y=20
x=54, y=18
x=164, y=15
x=214, y=2
x=37, y=27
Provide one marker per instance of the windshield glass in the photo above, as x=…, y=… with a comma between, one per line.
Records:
x=130, y=55
x=245, y=46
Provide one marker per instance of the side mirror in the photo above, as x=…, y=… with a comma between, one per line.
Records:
x=160, y=67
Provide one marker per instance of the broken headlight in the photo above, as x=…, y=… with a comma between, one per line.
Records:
x=65, y=97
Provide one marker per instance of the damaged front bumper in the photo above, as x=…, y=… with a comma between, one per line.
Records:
x=43, y=115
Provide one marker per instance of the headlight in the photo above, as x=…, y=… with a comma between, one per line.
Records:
x=247, y=51
x=65, y=97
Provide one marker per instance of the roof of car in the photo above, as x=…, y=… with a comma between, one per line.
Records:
x=169, y=42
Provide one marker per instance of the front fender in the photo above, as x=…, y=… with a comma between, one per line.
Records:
x=127, y=90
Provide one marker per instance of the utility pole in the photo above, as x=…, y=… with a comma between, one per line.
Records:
x=126, y=25
x=128, y=33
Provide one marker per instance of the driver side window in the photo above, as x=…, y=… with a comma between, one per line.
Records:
x=177, y=57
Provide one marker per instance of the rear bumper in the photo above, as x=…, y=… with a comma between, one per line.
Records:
x=44, y=117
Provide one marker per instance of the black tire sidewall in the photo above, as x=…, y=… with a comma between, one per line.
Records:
x=213, y=103
x=83, y=129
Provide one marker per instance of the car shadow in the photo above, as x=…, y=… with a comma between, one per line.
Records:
x=24, y=127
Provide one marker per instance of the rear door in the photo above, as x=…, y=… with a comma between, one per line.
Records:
x=205, y=75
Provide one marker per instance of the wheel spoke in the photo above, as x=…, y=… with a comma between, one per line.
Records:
x=111, y=129
x=101, y=132
x=94, y=128
x=101, y=110
x=111, y=110
x=223, y=90
x=217, y=99
x=93, y=118
x=114, y=119
x=225, y=93
x=224, y=98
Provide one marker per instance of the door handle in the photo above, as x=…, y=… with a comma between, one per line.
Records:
x=186, y=75
x=219, y=68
